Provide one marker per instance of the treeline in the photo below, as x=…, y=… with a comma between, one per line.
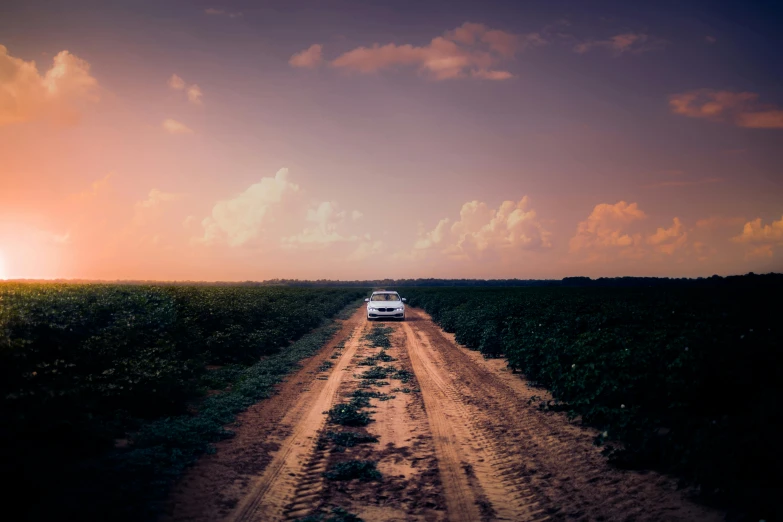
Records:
x=747, y=280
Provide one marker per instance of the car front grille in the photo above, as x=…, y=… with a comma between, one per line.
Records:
x=382, y=310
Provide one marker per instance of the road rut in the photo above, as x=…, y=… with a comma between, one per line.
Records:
x=457, y=441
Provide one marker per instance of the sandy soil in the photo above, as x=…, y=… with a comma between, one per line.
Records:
x=457, y=442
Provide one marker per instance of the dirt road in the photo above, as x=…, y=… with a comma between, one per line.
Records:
x=456, y=441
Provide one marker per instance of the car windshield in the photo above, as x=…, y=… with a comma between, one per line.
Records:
x=385, y=297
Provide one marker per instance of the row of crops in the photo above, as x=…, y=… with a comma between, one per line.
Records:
x=102, y=386
x=686, y=381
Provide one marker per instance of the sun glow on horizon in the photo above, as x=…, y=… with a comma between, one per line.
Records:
x=2, y=266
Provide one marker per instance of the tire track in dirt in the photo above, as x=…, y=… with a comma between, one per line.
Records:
x=294, y=470
x=465, y=453
x=410, y=489
x=545, y=457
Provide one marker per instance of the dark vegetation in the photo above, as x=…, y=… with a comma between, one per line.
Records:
x=338, y=514
x=364, y=470
x=688, y=380
x=110, y=391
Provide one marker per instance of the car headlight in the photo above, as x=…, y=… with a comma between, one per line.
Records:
x=399, y=309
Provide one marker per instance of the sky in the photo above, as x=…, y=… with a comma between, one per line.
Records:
x=252, y=140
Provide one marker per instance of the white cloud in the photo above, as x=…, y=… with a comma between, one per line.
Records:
x=365, y=250
x=242, y=219
x=483, y=231
x=326, y=219
x=25, y=95
x=175, y=127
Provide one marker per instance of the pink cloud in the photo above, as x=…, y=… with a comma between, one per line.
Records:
x=739, y=108
x=621, y=43
x=469, y=50
x=27, y=95
x=309, y=58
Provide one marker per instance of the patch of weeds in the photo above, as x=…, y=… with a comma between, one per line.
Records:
x=406, y=390
x=325, y=366
x=349, y=439
x=379, y=336
x=335, y=356
x=360, y=402
x=348, y=415
x=387, y=397
x=369, y=383
x=363, y=470
x=369, y=394
x=377, y=372
x=338, y=515
x=402, y=375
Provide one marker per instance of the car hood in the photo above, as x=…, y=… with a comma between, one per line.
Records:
x=385, y=304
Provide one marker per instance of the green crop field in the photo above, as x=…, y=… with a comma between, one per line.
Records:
x=684, y=380
x=104, y=387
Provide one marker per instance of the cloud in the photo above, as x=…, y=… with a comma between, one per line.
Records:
x=606, y=227
x=97, y=188
x=149, y=209
x=471, y=50
x=26, y=95
x=309, y=58
x=194, y=94
x=740, y=108
x=762, y=238
x=482, y=231
x=366, y=249
x=325, y=218
x=669, y=240
x=356, y=215
x=621, y=43
x=175, y=127
x=176, y=83
x=242, y=219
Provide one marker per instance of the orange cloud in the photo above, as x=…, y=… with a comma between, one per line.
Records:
x=241, y=220
x=669, y=240
x=761, y=238
x=621, y=43
x=739, y=108
x=469, y=50
x=309, y=58
x=482, y=231
x=26, y=95
x=605, y=227
x=175, y=127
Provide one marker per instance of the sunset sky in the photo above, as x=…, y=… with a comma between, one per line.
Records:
x=178, y=140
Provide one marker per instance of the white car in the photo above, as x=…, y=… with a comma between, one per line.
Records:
x=385, y=304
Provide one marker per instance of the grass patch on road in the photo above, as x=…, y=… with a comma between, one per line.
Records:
x=349, y=439
x=379, y=337
x=348, y=415
x=363, y=470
